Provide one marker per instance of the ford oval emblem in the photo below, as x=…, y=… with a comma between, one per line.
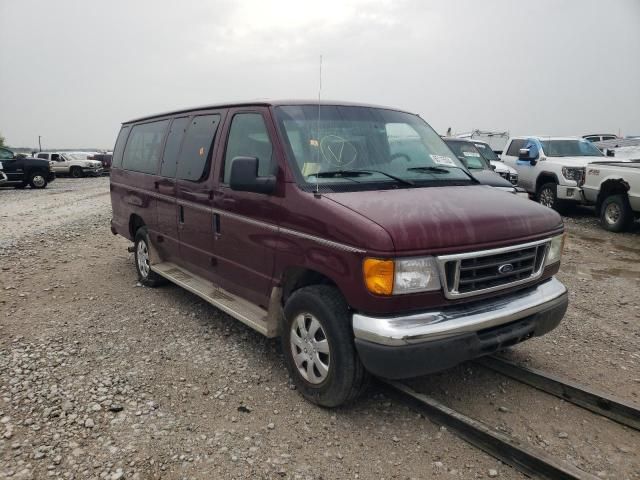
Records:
x=506, y=268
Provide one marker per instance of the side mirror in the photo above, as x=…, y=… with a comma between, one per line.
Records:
x=493, y=167
x=523, y=154
x=244, y=177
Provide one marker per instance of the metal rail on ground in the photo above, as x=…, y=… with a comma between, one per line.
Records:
x=529, y=460
x=616, y=409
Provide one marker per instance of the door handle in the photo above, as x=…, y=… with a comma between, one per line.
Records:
x=156, y=185
x=181, y=214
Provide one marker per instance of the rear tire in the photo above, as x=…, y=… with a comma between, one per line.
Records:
x=547, y=195
x=142, y=258
x=616, y=214
x=38, y=180
x=317, y=342
x=76, y=172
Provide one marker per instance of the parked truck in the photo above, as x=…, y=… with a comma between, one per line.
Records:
x=614, y=187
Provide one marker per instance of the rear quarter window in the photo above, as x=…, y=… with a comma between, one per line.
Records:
x=119, y=148
x=144, y=147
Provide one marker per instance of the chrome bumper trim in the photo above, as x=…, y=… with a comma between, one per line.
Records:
x=459, y=319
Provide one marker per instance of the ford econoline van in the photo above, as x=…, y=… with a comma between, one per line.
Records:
x=350, y=231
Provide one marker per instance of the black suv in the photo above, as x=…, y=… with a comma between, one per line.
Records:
x=21, y=171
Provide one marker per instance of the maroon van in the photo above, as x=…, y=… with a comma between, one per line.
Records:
x=350, y=231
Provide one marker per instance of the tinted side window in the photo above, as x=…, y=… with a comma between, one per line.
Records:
x=172, y=147
x=248, y=137
x=5, y=154
x=143, y=149
x=43, y=155
x=514, y=148
x=119, y=148
x=197, y=148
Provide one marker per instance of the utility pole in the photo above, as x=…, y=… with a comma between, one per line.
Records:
x=39, y=143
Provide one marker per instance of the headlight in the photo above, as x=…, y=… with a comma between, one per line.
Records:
x=572, y=173
x=407, y=275
x=555, y=250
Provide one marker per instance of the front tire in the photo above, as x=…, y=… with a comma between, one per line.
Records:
x=616, y=214
x=76, y=172
x=142, y=258
x=317, y=342
x=38, y=180
x=547, y=196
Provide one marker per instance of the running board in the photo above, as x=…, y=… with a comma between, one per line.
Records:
x=239, y=308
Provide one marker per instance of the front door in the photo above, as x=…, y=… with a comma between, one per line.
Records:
x=246, y=222
x=12, y=167
x=194, y=195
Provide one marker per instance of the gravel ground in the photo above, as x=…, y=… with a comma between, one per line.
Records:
x=102, y=378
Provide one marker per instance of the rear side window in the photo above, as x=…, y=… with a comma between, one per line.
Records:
x=248, y=137
x=144, y=147
x=119, y=148
x=516, y=145
x=197, y=148
x=172, y=147
x=43, y=155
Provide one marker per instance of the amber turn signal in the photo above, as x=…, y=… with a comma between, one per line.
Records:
x=378, y=275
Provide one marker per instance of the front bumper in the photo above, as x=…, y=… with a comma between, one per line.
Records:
x=422, y=343
x=92, y=171
x=573, y=194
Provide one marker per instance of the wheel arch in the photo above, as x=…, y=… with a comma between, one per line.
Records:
x=546, y=177
x=612, y=186
x=295, y=278
x=135, y=222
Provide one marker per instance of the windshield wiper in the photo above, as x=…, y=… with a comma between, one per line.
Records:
x=434, y=169
x=357, y=173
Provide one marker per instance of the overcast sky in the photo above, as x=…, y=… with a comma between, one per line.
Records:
x=72, y=71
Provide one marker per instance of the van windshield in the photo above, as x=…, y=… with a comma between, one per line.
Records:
x=365, y=147
x=468, y=151
x=486, y=152
x=570, y=148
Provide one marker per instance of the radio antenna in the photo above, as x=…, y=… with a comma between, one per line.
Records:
x=318, y=127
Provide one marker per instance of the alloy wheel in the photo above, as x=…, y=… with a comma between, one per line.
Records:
x=38, y=181
x=547, y=198
x=142, y=255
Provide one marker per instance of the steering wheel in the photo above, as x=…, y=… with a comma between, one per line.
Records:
x=395, y=156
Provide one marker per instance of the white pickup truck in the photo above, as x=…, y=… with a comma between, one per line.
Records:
x=552, y=168
x=72, y=163
x=614, y=187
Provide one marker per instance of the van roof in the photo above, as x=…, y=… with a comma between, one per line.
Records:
x=262, y=103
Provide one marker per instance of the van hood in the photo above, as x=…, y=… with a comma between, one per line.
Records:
x=491, y=178
x=502, y=167
x=450, y=219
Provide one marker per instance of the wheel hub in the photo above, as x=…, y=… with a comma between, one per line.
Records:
x=38, y=180
x=142, y=254
x=612, y=213
x=310, y=348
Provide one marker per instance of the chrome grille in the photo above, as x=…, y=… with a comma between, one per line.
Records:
x=474, y=273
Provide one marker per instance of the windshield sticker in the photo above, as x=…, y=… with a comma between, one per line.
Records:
x=338, y=151
x=309, y=169
x=471, y=154
x=442, y=160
